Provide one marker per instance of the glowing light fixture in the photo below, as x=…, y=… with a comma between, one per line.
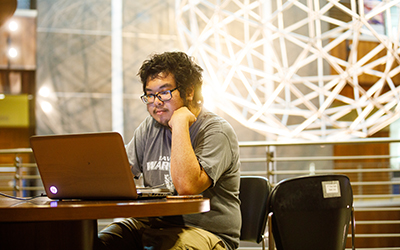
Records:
x=44, y=92
x=12, y=52
x=13, y=26
x=46, y=106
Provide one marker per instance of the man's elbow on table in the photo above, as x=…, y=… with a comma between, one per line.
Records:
x=193, y=187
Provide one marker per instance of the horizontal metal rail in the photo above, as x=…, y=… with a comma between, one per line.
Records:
x=376, y=196
x=27, y=177
x=376, y=222
x=329, y=158
x=373, y=183
x=376, y=235
x=365, y=208
x=325, y=171
x=304, y=143
x=23, y=188
x=16, y=151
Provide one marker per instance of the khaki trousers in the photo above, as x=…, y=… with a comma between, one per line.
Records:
x=154, y=234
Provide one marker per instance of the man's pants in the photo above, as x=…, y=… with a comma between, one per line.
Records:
x=154, y=234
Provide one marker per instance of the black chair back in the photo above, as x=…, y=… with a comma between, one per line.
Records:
x=311, y=212
x=254, y=192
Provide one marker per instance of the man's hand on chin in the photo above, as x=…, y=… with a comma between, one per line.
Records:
x=182, y=117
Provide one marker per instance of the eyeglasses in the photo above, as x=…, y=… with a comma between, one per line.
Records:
x=162, y=96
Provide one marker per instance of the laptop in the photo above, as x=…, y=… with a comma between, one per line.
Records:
x=87, y=166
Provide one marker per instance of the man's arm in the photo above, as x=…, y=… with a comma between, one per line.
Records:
x=186, y=173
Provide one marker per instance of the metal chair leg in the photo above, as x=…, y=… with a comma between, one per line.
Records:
x=271, y=242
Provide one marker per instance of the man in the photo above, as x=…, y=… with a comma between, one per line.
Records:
x=187, y=149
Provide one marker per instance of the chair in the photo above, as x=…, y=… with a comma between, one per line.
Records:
x=311, y=212
x=254, y=192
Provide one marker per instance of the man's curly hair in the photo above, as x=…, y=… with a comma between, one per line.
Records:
x=187, y=74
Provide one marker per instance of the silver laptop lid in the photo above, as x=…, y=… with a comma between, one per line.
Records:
x=84, y=166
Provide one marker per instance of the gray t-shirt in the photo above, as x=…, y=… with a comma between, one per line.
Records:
x=216, y=147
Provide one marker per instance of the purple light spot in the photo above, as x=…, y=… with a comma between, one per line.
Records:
x=53, y=189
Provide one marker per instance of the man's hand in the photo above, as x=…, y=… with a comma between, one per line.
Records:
x=182, y=116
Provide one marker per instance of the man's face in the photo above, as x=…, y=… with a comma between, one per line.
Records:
x=162, y=111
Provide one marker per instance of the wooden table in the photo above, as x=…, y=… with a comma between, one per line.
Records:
x=47, y=224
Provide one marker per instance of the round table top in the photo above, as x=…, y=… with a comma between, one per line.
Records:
x=45, y=209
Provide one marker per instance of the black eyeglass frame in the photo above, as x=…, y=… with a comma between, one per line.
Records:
x=145, y=97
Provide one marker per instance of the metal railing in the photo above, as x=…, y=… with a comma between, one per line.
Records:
x=271, y=159
x=15, y=176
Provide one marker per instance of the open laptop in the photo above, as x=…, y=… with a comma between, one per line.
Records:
x=87, y=166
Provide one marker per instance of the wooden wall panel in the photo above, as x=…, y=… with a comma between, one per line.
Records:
x=23, y=39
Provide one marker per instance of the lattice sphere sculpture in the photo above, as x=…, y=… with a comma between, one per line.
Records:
x=298, y=69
